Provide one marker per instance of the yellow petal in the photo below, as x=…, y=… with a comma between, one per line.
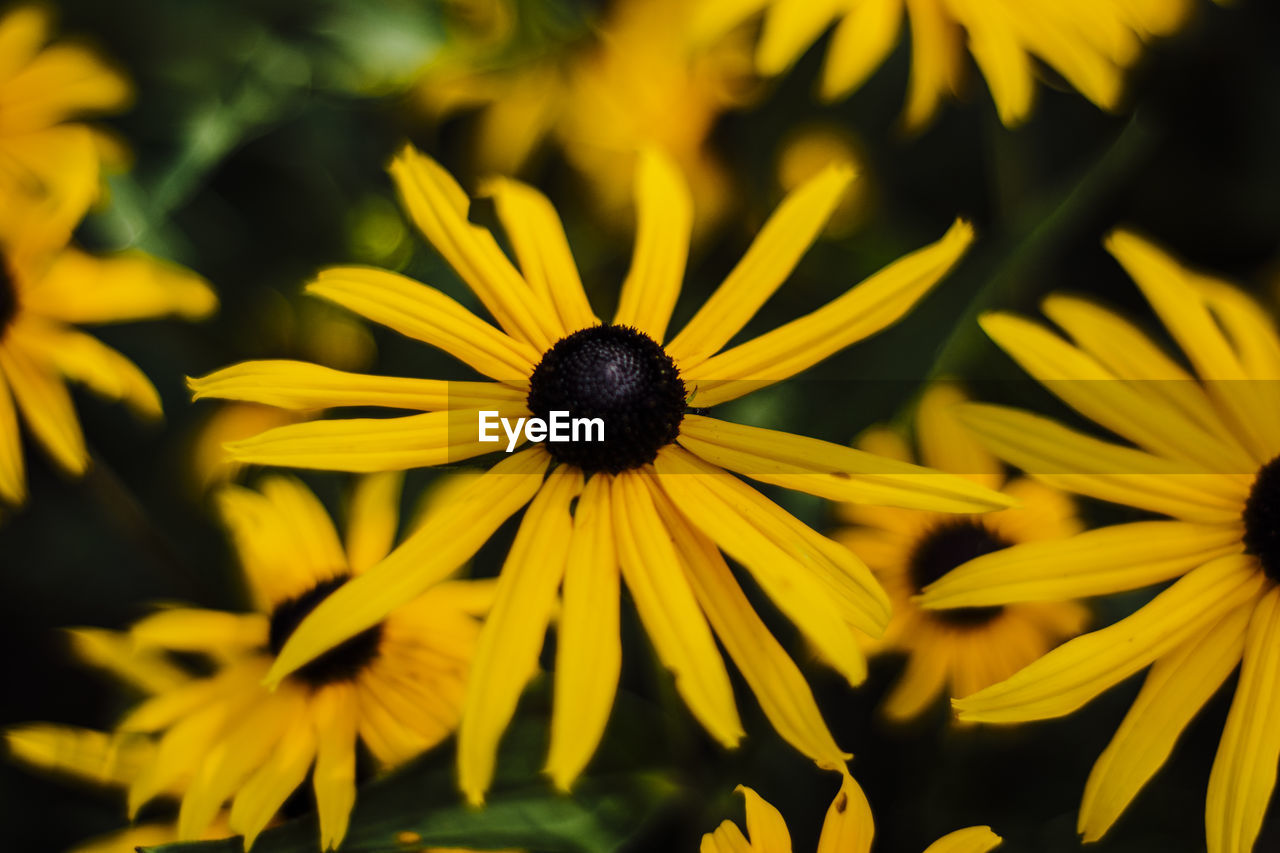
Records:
x=373, y=519
x=13, y=479
x=79, y=288
x=923, y=679
x=588, y=647
x=829, y=470
x=367, y=445
x=86, y=754
x=944, y=442
x=507, y=653
x=266, y=547
x=767, y=263
x=848, y=827
x=540, y=244
x=1098, y=562
x=726, y=838
x=1176, y=688
x=334, y=713
x=935, y=60
x=1005, y=64
x=46, y=407
x=265, y=791
x=61, y=81
x=765, y=825
x=773, y=677
x=790, y=26
x=1074, y=673
x=300, y=385
x=821, y=589
x=1244, y=771
x=711, y=19
x=861, y=42
x=445, y=541
x=183, y=629
x=306, y=521
x=426, y=314
x=971, y=839
x=1089, y=388
x=116, y=653
x=669, y=611
x=82, y=358
x=1076, y=462
x=439, y=207
x=23, y=31
x=861, y=312
x=664, y=223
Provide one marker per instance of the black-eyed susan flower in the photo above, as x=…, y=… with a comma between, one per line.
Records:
x=1090, y=44
x=653, y=504
x=964, y=649
x=1202, y=449
x=45, y=158
x=47, y=288
x=396, y=686
x=848, y=828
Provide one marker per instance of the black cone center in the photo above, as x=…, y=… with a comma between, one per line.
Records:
x=621, y=376
x=946, y=546
x=1262, y=519
x=8, y=296
x=341, y=663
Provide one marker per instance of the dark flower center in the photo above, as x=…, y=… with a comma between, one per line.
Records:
x=341, y=663
x=950, y=544
x=621, y=376
x=8, y=295
x=1262, y=519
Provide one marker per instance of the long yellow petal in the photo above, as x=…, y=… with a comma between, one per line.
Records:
x=185, y=629
x=300, y=385
x=86, y=754
x=23, y=31
x=726, y=838
x=767, y=263
x=1095, y=392
x=861, y=42
x=669, y=611
x=923, y=679
x=864, y=310
x=664, y=223
x=588, y=647
x=971, y=839
x=13, y=478
x=790, y=26
x=46, y=407
x=538, y=238
x=82, y=289
x=1074, y=673
x=366, y=445
x=773, y=677
x=832, y=471
x=822, y=591
x=765, y=825
x=308, y=525
x=424, y=313
x=334, y=711
x=1176, y=688
x=993, y=41
x=115, y=652
x=945, y=444
x=265, y=791
x=1097, y=562
x=935, y=60
x=439, y=208
x=848, y=827
x=373, y=519
x=1080, y=463
x=60, y=81
x=1244, y=770
x=507, y=653
x=447, y=539
x=83, y=358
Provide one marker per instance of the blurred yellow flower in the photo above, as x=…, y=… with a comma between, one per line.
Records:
x=967, y=648
x=636, y=84
x=809, y=149
x=1091, y=44
x=396, y=686
x=46, y=160
x=848, y=828
x=1207, y=451
x=48, y=287
x=653, y=504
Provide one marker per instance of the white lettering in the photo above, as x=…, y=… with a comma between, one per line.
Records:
x=559, y=427
x=488, y=421
x=588, y=424
x=536, y=430
x=513, y=435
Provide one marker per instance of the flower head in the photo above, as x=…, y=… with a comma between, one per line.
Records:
x=222, y=737
x=654, y=505
x=1091, y=45
x=1202, y=449
x=962, y=649
x=848, y=828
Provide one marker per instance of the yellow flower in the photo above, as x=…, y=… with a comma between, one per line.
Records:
x=635, y=85
x=1205, y=455
x=48, y=287
x=967, y=647
x=1090, y=44
x=396, y=686
x=45, y=159
x=652, y=504
x=848, y=828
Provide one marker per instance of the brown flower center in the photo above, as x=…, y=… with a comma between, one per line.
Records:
x=341, y=663
x=943, y=548
x=1262, y=519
